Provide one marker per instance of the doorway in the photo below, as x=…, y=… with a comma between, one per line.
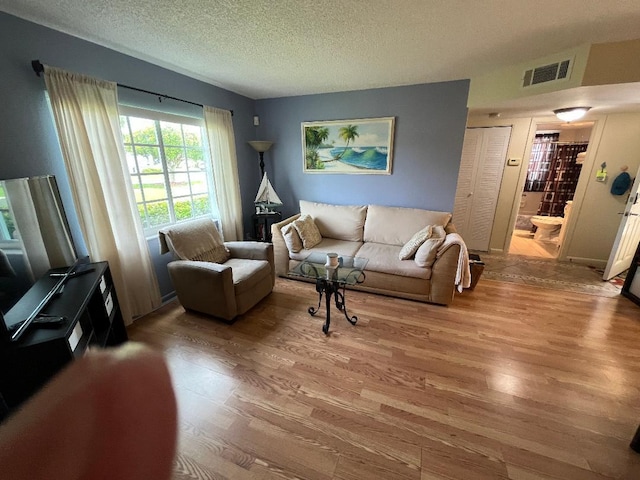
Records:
x=553, y=171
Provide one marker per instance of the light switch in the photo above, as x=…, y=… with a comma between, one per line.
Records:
x=513, y=162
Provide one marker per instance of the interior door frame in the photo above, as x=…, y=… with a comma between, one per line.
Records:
x=515, y=206
x=581, y=187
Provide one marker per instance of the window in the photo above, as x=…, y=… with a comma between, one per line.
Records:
x=168, y=167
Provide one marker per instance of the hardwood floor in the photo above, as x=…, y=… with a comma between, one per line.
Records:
x=509, y=382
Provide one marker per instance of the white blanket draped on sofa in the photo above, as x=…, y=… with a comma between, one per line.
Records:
x=463, y=274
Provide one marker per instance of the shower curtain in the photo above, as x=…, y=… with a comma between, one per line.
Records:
x=562, y=178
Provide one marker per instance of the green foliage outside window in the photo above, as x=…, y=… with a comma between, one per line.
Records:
x=158, y=212
x=171, y=137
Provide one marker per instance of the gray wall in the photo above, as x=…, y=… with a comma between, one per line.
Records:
x=429, y=130
x=430, y=122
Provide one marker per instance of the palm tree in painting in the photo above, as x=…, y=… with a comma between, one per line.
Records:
x=314, y=136
x=313, y=159
x=348, y=134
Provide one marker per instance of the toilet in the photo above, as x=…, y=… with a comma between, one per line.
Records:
x=549, y=227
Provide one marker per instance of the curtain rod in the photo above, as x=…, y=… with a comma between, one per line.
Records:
x=38, y=67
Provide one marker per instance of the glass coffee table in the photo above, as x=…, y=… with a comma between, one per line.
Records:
x=332, y=281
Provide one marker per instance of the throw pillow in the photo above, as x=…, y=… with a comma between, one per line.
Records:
x=291, y=238
x=410, y=248
x=426, y=254
x=309, y=233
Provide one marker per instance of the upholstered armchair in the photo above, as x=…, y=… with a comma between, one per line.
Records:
x=222, y=279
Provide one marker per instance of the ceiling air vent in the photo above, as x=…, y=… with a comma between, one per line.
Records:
x=547, y=73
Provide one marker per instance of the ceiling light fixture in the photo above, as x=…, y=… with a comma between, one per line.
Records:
x=571, y=114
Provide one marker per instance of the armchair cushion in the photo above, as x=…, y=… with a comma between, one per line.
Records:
x=247, y=274
x=253, y=251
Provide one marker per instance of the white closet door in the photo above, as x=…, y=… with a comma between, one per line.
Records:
x=484, y=154
x=466, y=176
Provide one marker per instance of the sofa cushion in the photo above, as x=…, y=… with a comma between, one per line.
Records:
x=396, y=225
x=426, y=254
x=411, y=247
x=327, y=245
x=383, y=258
x=344, y=222
x=291, y=238
x=308, y=231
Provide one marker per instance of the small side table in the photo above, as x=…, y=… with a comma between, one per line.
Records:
x=262, y=225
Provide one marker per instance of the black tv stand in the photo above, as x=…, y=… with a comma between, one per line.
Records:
x=85, y=314
x=55, y=290
x=42, y=320
x=74, y=273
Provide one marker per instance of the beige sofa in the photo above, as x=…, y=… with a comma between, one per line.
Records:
x=378, y=233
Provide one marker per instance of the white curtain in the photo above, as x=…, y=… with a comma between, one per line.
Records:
x=86, y=116
x=222, y=148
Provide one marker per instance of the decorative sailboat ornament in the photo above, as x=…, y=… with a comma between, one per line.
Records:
x=267, y=196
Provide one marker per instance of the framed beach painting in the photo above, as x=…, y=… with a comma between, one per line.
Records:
x=348, y=146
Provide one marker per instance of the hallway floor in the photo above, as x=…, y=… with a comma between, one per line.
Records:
x=549, y=273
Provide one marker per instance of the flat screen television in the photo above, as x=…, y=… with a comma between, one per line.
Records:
x=34, y=236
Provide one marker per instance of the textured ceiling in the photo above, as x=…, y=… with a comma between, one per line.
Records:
x=274, y=48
